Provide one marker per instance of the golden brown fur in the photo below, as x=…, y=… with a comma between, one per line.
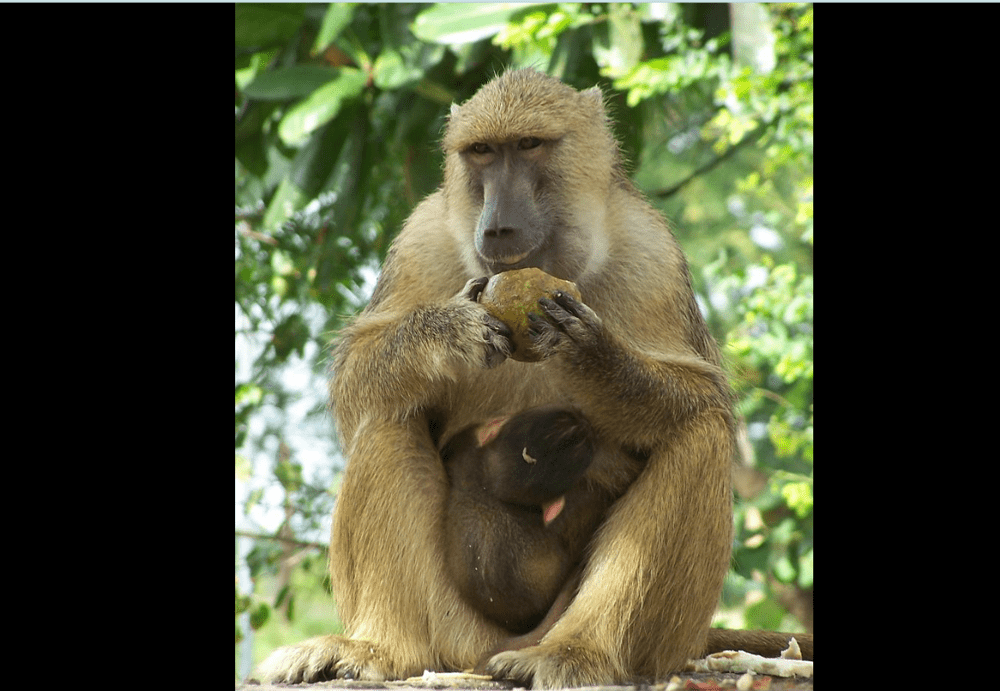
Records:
x=637, y=359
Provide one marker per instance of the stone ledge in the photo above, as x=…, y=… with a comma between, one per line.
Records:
x=702, y=681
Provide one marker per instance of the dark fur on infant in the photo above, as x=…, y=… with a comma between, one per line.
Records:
x=515, y=529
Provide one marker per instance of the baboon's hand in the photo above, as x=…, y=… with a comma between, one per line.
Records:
x=496, y=334
x=567, y=323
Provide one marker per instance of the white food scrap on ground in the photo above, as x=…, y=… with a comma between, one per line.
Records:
x=790, y=664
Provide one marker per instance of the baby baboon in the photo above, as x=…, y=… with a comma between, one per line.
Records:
x=513, y=534
x=533, y=178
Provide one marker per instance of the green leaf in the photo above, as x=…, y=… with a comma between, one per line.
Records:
x=259, y=25
x=259, y=616
x=312, y=165
x=290, y=335
x=571, y=48
x=433, y=91
x=765, y=614
x=622, y=48
x=321, y=106
x=458, y=23
x=784, y=570
x=248, y=394
x=338, y=16
x=806, y=570
x=390, y=72
x=242, y=603
x=798, y=496
x=296, y=81
x=395, y=67
x=255, y=64
x=288, y=199
x=253, y=499
x=312, y=168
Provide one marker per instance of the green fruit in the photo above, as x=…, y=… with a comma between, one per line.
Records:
x=512, y=295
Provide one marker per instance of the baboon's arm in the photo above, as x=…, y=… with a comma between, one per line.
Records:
x=658, y=390
x=398, y=358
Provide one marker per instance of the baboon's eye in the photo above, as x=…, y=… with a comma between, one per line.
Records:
x=480, y=148
x=529, y=143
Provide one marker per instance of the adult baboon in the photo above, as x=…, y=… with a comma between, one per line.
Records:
x=532, y=178
x=517, y=521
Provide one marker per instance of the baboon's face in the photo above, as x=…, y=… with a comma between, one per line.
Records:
x=530, y=164
x=517, y=219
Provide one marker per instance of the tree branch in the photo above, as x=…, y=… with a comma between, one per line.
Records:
x=278, y=538
x=752, y=137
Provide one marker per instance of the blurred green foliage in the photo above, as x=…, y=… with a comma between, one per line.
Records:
x=339, y=111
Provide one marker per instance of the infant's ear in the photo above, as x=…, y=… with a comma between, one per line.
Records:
x=488, y=432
